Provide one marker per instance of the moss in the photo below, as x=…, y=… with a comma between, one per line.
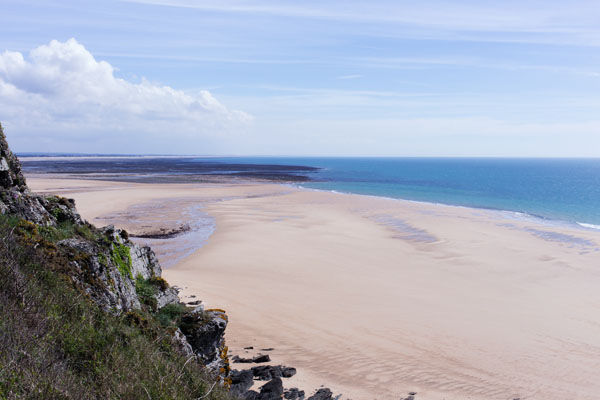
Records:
x=121, y=258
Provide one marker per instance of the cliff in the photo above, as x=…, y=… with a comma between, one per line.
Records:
x=85, y=312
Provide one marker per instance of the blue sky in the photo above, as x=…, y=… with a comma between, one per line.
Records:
x=380, y=78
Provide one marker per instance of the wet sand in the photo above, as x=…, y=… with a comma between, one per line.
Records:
x=376, y=297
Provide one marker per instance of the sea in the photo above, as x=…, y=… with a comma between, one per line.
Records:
x=553, y=189
x=562, y=190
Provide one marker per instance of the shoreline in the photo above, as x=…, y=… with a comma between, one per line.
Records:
x=526, y=215
x=224, y=179
x=453, y=318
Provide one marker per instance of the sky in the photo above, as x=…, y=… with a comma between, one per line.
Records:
x=302, y=78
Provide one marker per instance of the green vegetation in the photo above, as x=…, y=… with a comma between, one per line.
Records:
x=55, y=343
x=121, y=257
x=146, y=291
x=102, y=259
x=66, y=230
x=170, y=315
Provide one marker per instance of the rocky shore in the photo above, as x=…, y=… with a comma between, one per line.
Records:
x=163, y=233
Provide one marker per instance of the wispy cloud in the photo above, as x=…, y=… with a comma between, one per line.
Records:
x=567, y=23
x=200, y=59
x=347, y=77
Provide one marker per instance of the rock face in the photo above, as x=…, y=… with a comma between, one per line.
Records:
x=10, y=167
x=15, y=198
x=204, y=331
x=109, y=269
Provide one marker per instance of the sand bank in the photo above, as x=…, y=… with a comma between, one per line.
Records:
x=376, y=297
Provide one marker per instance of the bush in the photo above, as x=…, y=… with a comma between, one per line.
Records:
x=146, y=292
x=170, y=315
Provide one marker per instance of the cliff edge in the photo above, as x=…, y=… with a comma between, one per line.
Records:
x=85, y=312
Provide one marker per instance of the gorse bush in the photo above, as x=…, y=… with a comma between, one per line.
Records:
x=55, y=343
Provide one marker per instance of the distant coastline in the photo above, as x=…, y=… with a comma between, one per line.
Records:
x=553, y=190
x=162, y=169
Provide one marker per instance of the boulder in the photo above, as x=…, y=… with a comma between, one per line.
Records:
x=268, y=372
x=261, y=358
x=241, y=381
x=271, y=390
x=322, y=394
x=293, y=394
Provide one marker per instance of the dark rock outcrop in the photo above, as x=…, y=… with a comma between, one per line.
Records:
x=322, y=394
x=271, y=390
x=204, y=331
x=241, y=381
x=261, y=358
x=293, y=394
x=268, y=372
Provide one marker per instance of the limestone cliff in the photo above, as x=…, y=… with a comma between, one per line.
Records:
x=121, y=277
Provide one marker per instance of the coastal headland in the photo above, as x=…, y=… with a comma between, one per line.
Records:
x=374, y=297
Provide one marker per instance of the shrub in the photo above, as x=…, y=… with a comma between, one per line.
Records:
x=146, y=292
x=170, y=315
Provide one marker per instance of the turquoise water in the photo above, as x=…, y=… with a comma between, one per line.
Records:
x=554, y=189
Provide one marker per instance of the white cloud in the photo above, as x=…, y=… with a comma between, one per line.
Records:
x=62, y=88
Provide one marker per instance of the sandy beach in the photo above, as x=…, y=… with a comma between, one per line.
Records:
x=376, y=297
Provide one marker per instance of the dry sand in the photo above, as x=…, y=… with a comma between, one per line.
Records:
x=376, y=297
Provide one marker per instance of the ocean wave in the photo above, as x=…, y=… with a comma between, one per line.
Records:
x=590, y=226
